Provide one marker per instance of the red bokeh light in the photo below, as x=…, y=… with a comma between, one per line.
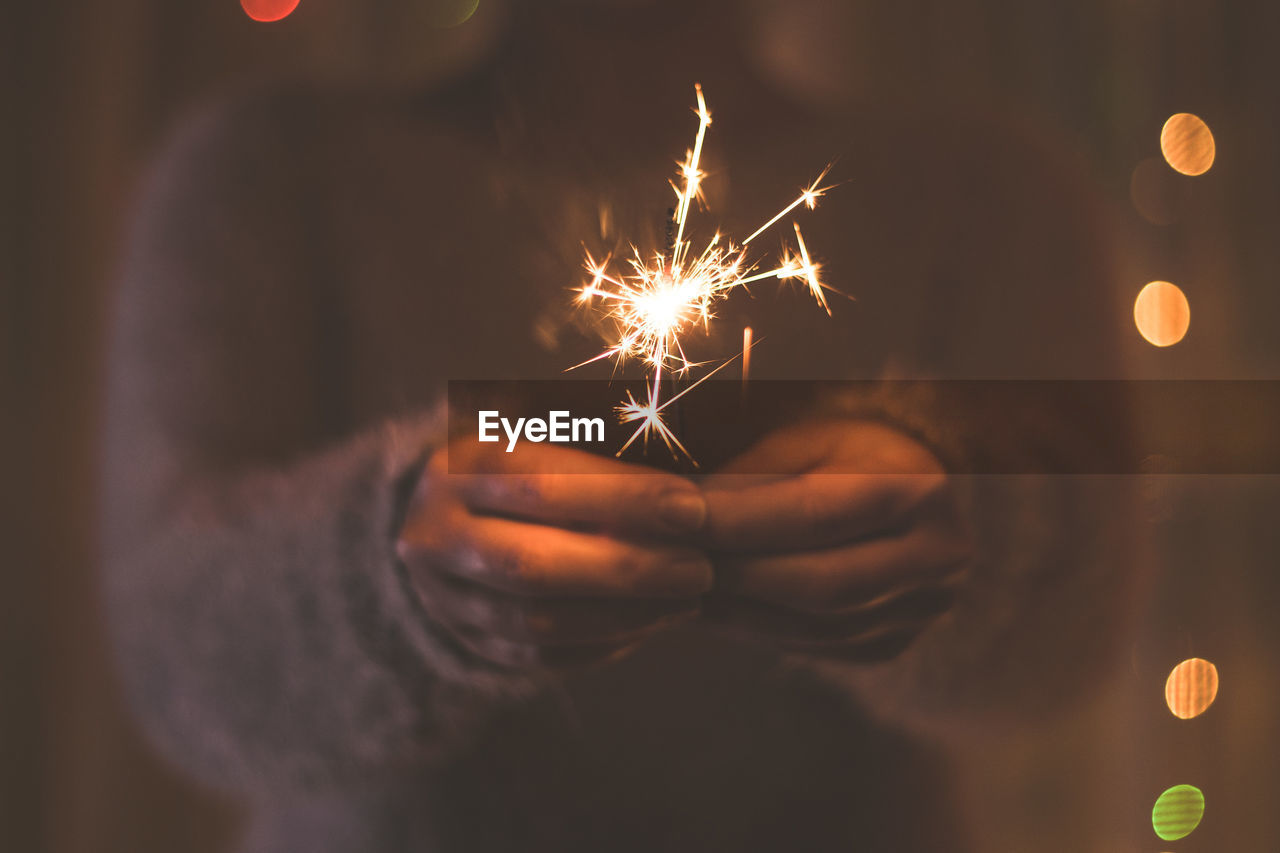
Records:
x=268, y=10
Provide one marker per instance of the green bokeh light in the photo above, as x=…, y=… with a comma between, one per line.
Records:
x=453, y=13
x=1177, y=812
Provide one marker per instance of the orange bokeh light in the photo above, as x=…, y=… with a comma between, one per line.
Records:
x=1161, y=313
x=267, y=11
x=1191, y=688
x=1187, y=144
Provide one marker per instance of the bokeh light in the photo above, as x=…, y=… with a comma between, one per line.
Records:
x=1161, y=313
x=267, y=11
x=1187, y=144
x=452, y=13
x=1177, y=812
x=1191, y=688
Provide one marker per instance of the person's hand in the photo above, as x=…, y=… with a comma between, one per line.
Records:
x=849, y=549
x=551, y=557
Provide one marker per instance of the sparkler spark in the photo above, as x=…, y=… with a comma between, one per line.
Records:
x=675, y=292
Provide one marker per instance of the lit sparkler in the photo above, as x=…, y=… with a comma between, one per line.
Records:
x=668, y=294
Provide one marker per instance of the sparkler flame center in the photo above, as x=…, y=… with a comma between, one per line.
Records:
x=666, y=309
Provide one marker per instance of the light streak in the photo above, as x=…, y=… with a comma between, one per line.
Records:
x=808, y=197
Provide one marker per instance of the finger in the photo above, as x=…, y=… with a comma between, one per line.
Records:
x=536, y=560
x=515, y=655
x=813, y=510
x=870, y=650
x=576, y=489
x=907, y=613
x=467, y=607
x=846, y=577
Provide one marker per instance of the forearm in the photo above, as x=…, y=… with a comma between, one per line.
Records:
x=266, y=632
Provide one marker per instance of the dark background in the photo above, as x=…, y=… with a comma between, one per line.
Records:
x=94, y=86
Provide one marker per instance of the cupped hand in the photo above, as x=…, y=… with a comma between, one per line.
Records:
x=849, y=548
x=551, y=557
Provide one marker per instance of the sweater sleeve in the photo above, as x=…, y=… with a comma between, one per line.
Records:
x=1053, y=575
x=1056, y=567
x=265, y=633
